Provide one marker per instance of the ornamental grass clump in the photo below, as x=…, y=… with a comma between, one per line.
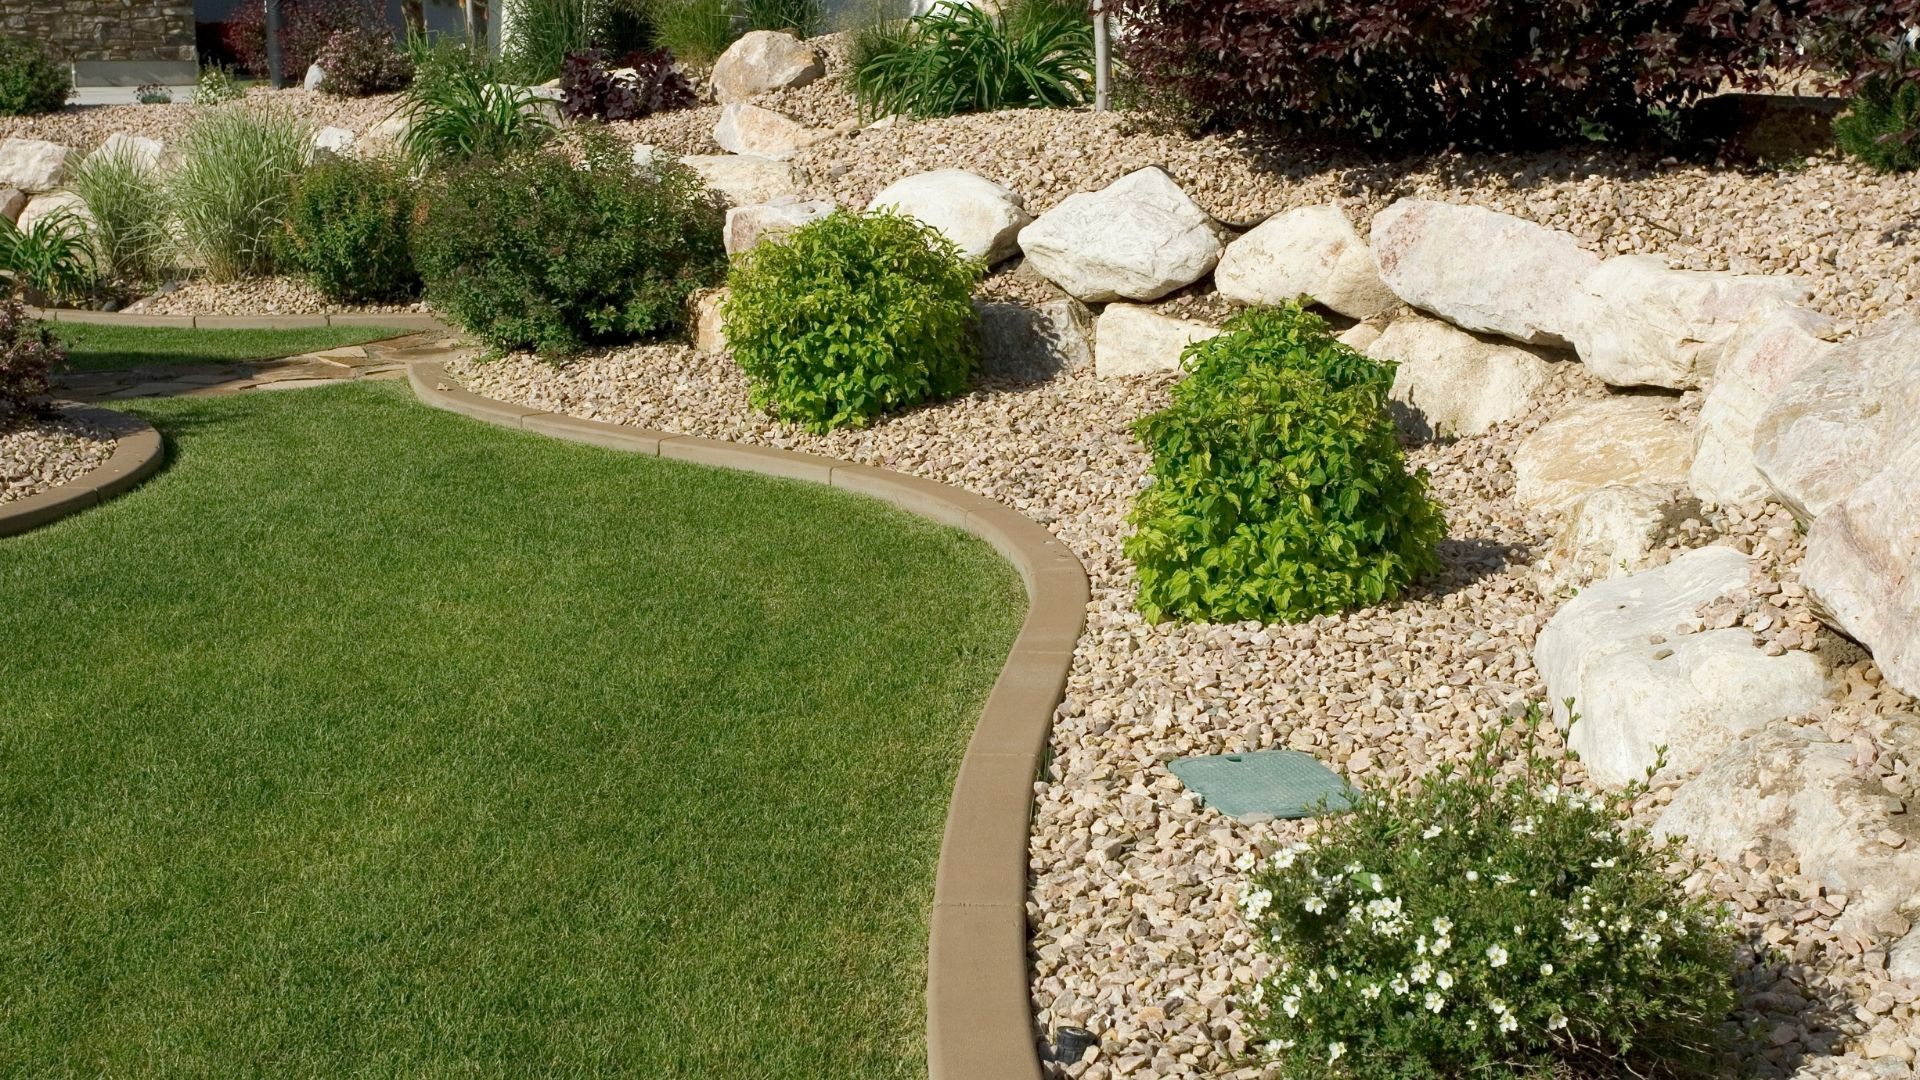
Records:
x=957, y=58
x=231, y=192
x=1487, y=923
x=853, y=316
x=127, y=206
x=1279, y=490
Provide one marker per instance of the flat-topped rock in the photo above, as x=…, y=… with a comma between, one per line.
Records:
x=1449, y=382
x=1313, y=251
x=1139, y=238
x=1631, y=441
x=744, y=180
x=750, y=129
x=1643, y=324
x=33, y=165
x=1131, y=340
x=749, y=226
x=1612, y=531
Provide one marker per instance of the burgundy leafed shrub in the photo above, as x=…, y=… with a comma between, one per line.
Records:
x=643, y=84
x=305, y=26
x=1418, y=73
x=28, y=355
x=362, y=61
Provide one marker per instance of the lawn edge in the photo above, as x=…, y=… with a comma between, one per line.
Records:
x=979, y=1011
x=311, y=321
x=138, y=451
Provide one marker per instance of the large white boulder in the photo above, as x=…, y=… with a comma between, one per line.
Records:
x=1132, y=340
x=750, y=129
x=743, y=179
x=33, y=165
x=41, y=207
x=1863, y=564
x=141, y=150
x=1789, y=793
x=1313, y=251
x=1643, y=324
x=982, y=217
x=1633, y=441
x=1484, y=271
x=749, y=226
x=389, y=133
x=1832, y=425
x=1140, y=238
x=1766, y=352
x=1638, y=686
x=1614, y=530
x=1450, y=382
x=763, y=61
x=316, y=75
x=1035, y=343
x=333, y=142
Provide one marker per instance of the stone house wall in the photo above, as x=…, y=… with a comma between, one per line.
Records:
x=94, y=31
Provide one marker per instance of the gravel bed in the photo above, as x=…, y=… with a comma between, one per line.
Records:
x=1134, y=929
x=253, y=296
x=40, y=454
x=87, y=126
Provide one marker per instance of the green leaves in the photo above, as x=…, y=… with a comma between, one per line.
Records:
x=348, y=230
x=454, y=114
x=958, y=58
x=1882, y=125
x=52, y=257
x=235, y=181
x=1279, y=489
x=32, y=79
x=851, y=317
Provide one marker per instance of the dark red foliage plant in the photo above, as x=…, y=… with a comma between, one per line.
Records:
x=640, y=85
x=305, y=26
x=29, y=355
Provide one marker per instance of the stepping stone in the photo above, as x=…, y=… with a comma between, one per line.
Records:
x=1263, y=785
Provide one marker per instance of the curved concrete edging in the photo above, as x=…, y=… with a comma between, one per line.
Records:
x=137, y=452
x=979, y=1016
x=394, y=321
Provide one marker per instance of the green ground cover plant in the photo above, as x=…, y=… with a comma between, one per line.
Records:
x=329, y=755
x=348, y=230
x=851, y=317
x=105, y=347
x=958, y=58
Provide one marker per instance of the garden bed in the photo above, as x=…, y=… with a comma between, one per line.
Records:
x=39, y=455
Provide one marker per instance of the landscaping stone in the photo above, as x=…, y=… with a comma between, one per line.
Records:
x=1834, y=423
x=389, y=133
x=1643, y=324
x=315, y=76
x=1450, y=382
x=12, y=201
x=1766, y=352
x=1312, y=251
x=750, y=129
x=748, y=226
x=334, y=141
x=1482, y=270
x=1863, y=563
x=1035, y=343
x=1139, y=238
x=1132, y=340
x=1360, y=336
x=743, y=179
x=33, y=165
x=1638, y=685
x=1618, y=440
x=50, y=203
x=1612, y=531
x=43, y=453
x=141, y=149
x=709, y=329
x=982, y=217
x=763, y=61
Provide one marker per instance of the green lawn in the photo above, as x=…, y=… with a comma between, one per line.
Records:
x=370, y=741
x=93, y=347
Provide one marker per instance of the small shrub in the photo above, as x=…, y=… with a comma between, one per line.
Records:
x=305, y=26
x=362, y=61
x=1279, y=488
x=1487, y=925
x=545, y=33
x=1882, y=125
x=853, y=316
x=533, y=252
x=348, y=228
x=128, y=206
x=958, y=58
x=216, y=87
x=594, y=92
x=455, y=115
x=51, y=260
x=32, y=80
x=153, y=94
x=29, y=355
x=695, y=30
x=231, y=191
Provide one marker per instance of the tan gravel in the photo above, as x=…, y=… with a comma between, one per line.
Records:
x=253, y=296
x=40, y=454
x=87, y=126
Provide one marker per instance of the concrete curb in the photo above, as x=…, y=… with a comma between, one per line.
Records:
x=979, y=1015
x=137, y=452
x=239, y=322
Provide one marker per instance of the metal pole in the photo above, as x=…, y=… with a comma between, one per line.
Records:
x=1102, y=57
x=275, y=76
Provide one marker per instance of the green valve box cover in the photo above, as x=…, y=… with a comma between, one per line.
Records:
x=1264, y=784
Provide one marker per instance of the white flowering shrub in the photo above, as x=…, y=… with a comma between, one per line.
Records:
x=1487, y=926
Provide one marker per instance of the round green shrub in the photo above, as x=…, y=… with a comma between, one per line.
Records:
x=31, y=79
x=536, y=252
x=853, y=316
x=1882, y=125
x=1486, y=923
x=1279, y=487
x=347, y=231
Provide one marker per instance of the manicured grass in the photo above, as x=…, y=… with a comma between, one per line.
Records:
x=92, y=347
x=367, y=740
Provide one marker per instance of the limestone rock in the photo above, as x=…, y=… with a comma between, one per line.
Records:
x=12, y=201
x=1831, y=426
x=33, y=165
x=1483, y=271
x=982, y=217
x=385, y=135
x=747, y=226
x=1035, y=343
x=1133, y=340
x=1760, y=358
x=1140, y=238
x=709, y=329
x=1450, y=382
x=1863, y=564
x=143, y=151
x=1312, y=251
x=1360, y=336
x=1642, y=324
x=1693, y=693
x=743, y=179
x=1617, y=440
x=45, y=206
x=315, y=76
x=750, y=129
x=333, y=141
x=763, y=61
x=1612, y=531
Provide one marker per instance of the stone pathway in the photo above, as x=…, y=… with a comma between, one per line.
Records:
x=375, y=360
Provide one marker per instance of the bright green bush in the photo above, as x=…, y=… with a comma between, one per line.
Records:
x=853, y=316
x=532, y=252
x=1279, y=488
x=347, y=231
x=31, y=79
x=1882, y=125
x=958, y=58
x=1486, y=923
x=234, y=183
x=128, y=206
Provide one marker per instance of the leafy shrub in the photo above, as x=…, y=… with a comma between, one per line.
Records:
x=454, y=114
x=31, y=79
x=305, y=26
x=594, y=92
x=1882, y=125
x=853, y=316
x=51, y=260
x=696, y=30
x=234, y=183
x=29, y=355
x=1433, y=72
x=362, y=61
x=533, y=252
x=128, y=206
x=216, y=86
x=959, y=59
x=545, y=32
x=1279, y=489
x=347, y=231
x=1481, y=926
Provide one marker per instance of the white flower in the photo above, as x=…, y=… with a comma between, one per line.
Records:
x=1399, y=984
x=1435, y=1002
x=1372, y=992
x=1556, y=1022
x=1422, y=972
x=1284, y=858
x=1244, y=862
x=1503, y=879
x=1314, y=904
x=1546, y=969
x=1334, y=1050
x=1432, y=831
x=1290, y=1005
x=1496, y=956
x=1523, y=828
x=1441, y=945
x=1444, y=980
x=1605, y=864
x=1256, y=902
x=1473, y=875
x=1259, y=992
x=1443, y=926
x=1378, y=884
x=1508, y=1022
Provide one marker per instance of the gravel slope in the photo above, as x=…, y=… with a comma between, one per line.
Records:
x=41, y=454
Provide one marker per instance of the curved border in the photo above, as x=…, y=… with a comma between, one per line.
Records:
x=979, y=1013
x=137, y=452
x=389, y=320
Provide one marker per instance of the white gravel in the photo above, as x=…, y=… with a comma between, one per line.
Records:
x=40, y=454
